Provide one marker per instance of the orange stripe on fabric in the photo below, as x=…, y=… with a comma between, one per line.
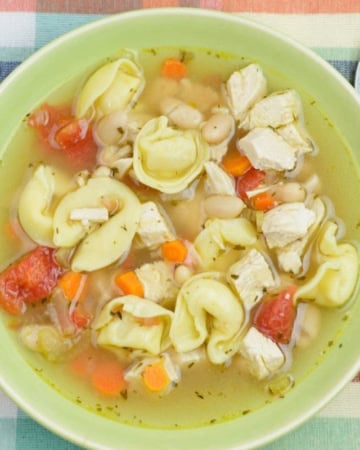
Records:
x=159, y=3
x=17, y=5
x=290, y=7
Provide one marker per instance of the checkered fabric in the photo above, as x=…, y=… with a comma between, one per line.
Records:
x=330, y=27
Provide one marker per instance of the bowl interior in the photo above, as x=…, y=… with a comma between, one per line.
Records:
x=78, y=51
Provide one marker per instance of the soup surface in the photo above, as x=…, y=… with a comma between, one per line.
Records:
x=176, y=237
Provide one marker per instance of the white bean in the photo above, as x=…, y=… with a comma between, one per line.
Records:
x=289, y=192
x=309, y=325
x=111, y=128
x=217, y=128
x=223, y=206
x=182, y=273
x=181, y=114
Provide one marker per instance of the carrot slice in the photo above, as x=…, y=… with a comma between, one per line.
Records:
x=173, y=68
x=108, y=378
x=236, y=165
x=130, y=284
x=174, y=251
x=82, y=365
x=263, y=201
x=72, y=284
x=155, y=377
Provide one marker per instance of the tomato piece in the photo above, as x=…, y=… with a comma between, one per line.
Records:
x=29, y=279
x=69, y=136
x=72, y=133
x=80, y=318
x=275, y=316
x=249, y=181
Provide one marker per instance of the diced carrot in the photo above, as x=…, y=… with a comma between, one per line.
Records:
x=148, y=321
x=108, y=378
x=174, y=251
x=173, y=68
x=155, y=377
x=72, y=284
x=14, y=324
x=10, y=231
x=82, y=365
x=130, y=284
x=263, y=201
x=236, y=165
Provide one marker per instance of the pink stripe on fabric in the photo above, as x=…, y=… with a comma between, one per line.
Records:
x=18, y=5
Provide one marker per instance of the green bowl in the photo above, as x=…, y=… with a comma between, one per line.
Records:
x=38, y=77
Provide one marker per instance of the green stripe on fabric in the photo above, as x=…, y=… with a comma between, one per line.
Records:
x=31, y=436
x=322, y=434
x=8, y=434
x=338, y=53
x=15, y=54
x=49, y=26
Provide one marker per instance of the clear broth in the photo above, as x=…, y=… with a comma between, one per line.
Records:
x=211, y=394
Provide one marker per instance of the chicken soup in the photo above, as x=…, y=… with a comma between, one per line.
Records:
x=173, y=255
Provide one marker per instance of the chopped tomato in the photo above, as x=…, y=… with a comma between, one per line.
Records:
x=249, y=181
x=61, y=132
x=72, y=133
x=275, y=316
x=29, y=279
x=80, y=318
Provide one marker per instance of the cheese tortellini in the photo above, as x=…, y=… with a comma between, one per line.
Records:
x=104, y=244
x=114, y=87
x=337, y=273
x=46, y=185
x=218, y=234
x=122, y=323
x=207, y=311
x=166, y=158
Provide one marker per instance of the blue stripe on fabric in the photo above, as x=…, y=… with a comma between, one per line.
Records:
x=7, y=67
x=323, y=434
x=346, y=68
x=50, y=26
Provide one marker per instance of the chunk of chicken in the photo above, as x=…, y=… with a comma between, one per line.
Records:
x=278, y=109
x=286, y=223
x=250, y=277
x=154, y=228
x=157, y=280
x=218, y=181
x=267, y=150
x=244, y=88
x=262, y=354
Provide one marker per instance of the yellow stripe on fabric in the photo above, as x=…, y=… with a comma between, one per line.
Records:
x=317, y=30
x=346, y=404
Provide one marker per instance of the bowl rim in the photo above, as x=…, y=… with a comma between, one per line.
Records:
x=193, y=12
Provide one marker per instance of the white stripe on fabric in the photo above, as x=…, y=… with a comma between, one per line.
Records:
x=17, y=29
x=8, y=409
x=314, y=30
x=345, y=404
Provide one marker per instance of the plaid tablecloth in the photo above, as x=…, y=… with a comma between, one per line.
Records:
x=330, y=27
